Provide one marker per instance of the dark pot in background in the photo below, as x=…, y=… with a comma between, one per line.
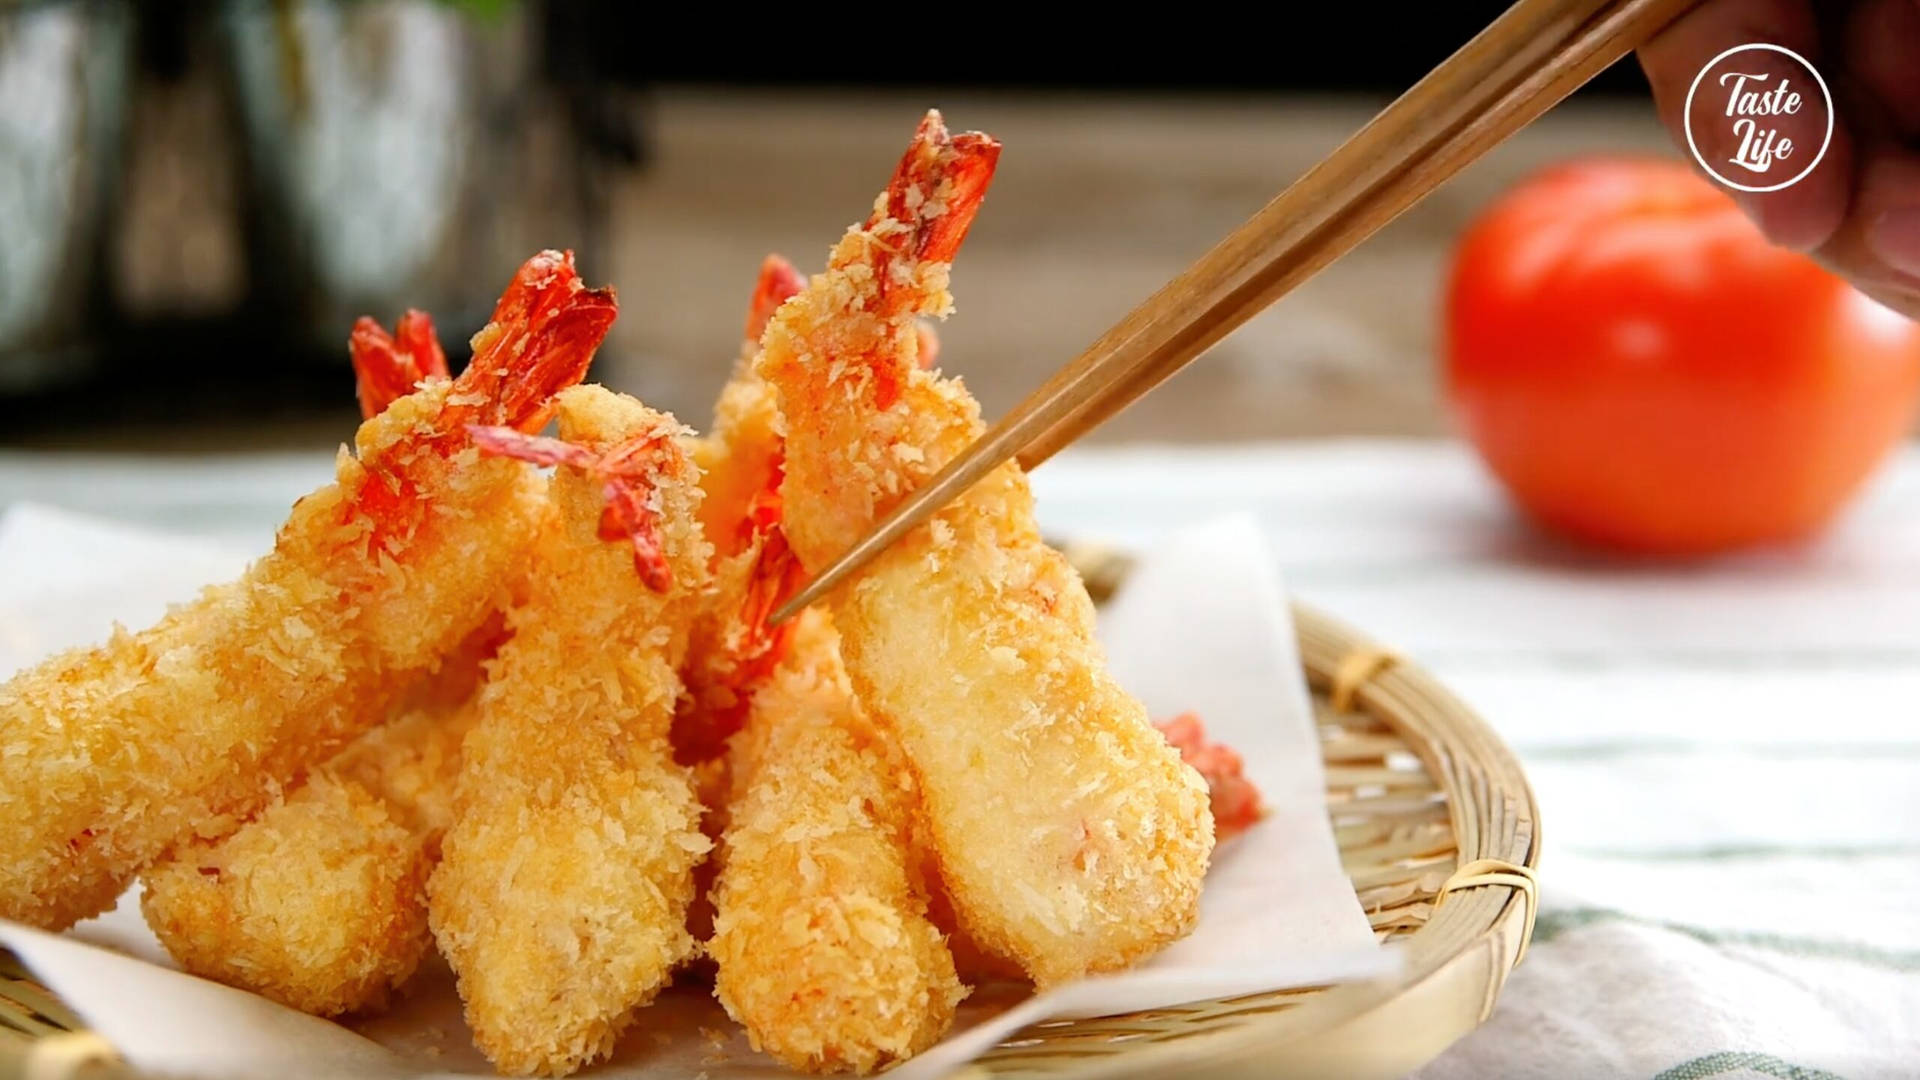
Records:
x=207, y=194
x=64, y=81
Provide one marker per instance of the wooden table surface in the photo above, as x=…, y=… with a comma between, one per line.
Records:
x=1097, y=202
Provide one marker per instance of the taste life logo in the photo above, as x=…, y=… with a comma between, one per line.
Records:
x=1753, y=115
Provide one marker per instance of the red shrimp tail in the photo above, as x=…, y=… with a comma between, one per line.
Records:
x=416, y=337
x=541, y=340
x=779, y=282
x=777, y=575
x=387, y=367
x=938, y=187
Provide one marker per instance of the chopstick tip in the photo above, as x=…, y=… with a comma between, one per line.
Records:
x=796, y=605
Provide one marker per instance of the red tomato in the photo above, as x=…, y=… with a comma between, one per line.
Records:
x=1641, y=370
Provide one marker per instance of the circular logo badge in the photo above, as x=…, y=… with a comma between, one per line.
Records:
x=1753, y=115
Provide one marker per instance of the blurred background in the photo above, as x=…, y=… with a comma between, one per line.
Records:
x=196, y=198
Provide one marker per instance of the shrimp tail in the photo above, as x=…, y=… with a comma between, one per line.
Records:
x=387, y=367
x=541, y=339
x=937, y=189
x=779, y=282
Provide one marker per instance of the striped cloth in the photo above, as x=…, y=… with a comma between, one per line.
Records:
x=1727, y=756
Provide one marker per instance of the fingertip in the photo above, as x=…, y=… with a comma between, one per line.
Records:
x=1798, y=221
x=1807, y=214
x=1894, y=237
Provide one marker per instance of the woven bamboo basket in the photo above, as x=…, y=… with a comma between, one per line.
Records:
x=1436, y=826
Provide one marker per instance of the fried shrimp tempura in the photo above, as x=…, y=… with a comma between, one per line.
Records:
x=821, y=936
x=1068, y=833
x=733, y=647
x=740, y=457
x=112, y=755
x=742, y=463
x=320, y=902
x=562, y=894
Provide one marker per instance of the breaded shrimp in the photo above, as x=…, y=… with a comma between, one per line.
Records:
x=283, y=908
x=740, y=457
x=821, y=936
x=742, y=463
x=733, y=647
x=320, y=902
x=112, y=755
x=1068, y=834
x=562, y=893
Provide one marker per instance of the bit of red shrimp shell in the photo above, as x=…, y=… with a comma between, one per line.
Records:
x=417, y=339
x=952, y=169
x=386, y=366
x=627, y=472
x=935, y=192
x=534, y=449
x=1236, y=802
x=759, y=646
x=777, y=575
x=779, y=282
x=540, y=341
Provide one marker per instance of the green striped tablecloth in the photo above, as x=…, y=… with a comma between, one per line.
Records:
x=1727, y=755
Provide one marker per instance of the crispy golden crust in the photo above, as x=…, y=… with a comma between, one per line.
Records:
x=732, y=649
x=821, y=937
x=412, y=765
x=110, y=755
x=281, y=930
x=1069, y=835
x=562, y=894
x=320, y=904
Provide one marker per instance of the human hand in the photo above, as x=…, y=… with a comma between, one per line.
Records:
x=1858, y=212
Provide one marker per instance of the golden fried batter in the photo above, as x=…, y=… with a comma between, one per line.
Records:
x=1068, y=834
x=111, y=755
x=319, y=904
x=821, y=936
x=562, y=894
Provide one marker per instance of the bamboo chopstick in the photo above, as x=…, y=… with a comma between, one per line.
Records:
x=1595, y=46
x=1536, y=53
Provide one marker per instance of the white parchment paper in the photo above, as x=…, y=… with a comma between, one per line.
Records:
x=1201, y=625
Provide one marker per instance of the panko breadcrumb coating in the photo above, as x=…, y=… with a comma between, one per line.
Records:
x=112, y=755
x=562, y=894
x=315, y=903
x=1068, y=834
x=319, y=904
x=821, y=936
x=733, y=648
